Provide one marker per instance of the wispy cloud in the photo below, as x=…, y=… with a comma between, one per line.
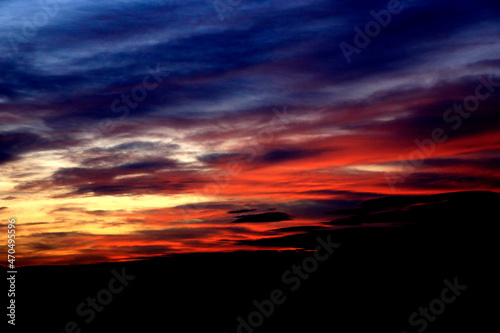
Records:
x=200, y=145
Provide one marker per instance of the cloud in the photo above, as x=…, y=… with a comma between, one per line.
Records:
x=241, y=211
x=217, y=158
x=142, y=145
x=299, y=229
x=264, y=217
x=284, y=155
x=417, y=209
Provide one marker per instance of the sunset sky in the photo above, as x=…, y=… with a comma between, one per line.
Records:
x=133, y=129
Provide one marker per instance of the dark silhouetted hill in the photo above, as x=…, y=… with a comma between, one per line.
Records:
x=394, y=256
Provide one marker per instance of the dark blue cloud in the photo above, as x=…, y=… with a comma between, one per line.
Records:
x=284, y=155
x=89, y=52
x=149, y=165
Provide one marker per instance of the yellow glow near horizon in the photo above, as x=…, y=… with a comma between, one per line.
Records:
x=39, y=209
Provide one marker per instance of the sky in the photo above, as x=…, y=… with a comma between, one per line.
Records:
x=134, y=129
